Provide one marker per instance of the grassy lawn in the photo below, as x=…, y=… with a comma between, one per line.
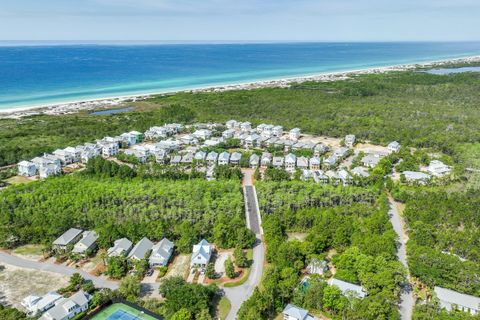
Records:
x=223, y=308
x=18, y=180
x=29, y=249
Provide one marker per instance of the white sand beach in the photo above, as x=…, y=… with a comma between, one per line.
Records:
x=106, y=103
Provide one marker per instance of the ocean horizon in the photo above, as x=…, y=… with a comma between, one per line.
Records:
x=36, y=74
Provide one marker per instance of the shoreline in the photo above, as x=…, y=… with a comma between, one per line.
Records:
x=69, y=107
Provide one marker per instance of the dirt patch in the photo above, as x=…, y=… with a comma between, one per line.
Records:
x=20, y=180
x=296, y=236
x=179, y=266
x=220, y=262
x=17, y=283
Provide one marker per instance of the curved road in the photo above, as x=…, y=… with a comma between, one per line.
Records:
x=46, y=266
x=238, y=295
x=407, y=301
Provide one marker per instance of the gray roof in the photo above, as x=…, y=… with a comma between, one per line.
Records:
x=141, y=249
x=254, y=159
x=60, y=311
x=360, y=171
x=302, y=162
x=89, y=238
x=236, y=156
x=212, y=156
x=120, y=246
x=224, y=156
x=457, y=298
x=67, y=237
x=161, y=251
x=370, y=160
x=295, y=312
x=278, y=161
x=414, y=175
x=347, y=287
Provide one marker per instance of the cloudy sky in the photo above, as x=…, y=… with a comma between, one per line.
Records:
x=200, y=20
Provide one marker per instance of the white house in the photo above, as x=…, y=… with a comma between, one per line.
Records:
x=109, y=149
x=394, y=146
x=292, y=312
x=245, y=126
x=370, y=161
x=161, y=253
x=223, y=158
x=266, y=159
x=438, y=169
x=294, y=134
x=65, y=157
x=320, y=149
x=200, y=156
x=27, y=168
x=350, y=140
x=452, y=300
x=290, y=161
x=212, y=157
x=128, y=138
x=141, y=249
x=140, y=155
x=414, y=176
x=316, y=266
x=69, y=237
x=121, y=247
x=320, y=177
x=235, y=158
x=341, y=152
x=349, y=289
x=50, y=169
x=88, y=242
x=201, y=254
x=202, y=134
x=254, y=160
x=228, y=134
x=330, y=161
x=277, y=131
x=277, y=162
x=314, y=163
x=231, y=124
x=252, y=140
x=360, y=172
x=36, y=305
x=302, y=163
x=345, y=177
x=68, y=308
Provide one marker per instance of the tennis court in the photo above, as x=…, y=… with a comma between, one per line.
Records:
x=120, y=311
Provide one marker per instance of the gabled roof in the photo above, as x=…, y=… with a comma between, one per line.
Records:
x=458, y=298
x=212, y=156
x=67, y=237
x=254, y=158
x=89, y=238
x=162, y=250
x=47, y=299
x=302, y=162
x=26, y=163
x=236, y=156
x=347, y=287
x=295, y=312
x=141, y=248
x=314, y=161
x=224, y=156
x=291, y=158
x=120, y=246
x=61, y=310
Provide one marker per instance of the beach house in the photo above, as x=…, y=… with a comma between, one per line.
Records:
x=251, y=141
x=360, y=172
x=302, y=163
x=294, y=134
x=417, y=177
x=69, y=237
x=87, y=243
x=228, y=134
x=161, y=253
x=141, y=249
x=128, y=139
x=121, y=247
x=254, y=160
x=235, y=158
x=245, y=126
x=212, y=157
x=223, y=158
x=370, y=161
x=453, y=300
x=345, y=177
x=350, y=140
x=277, y=131
x=341, y=152
x=231, y=124
x=394, y=146
x=202, y=134
x=438, y=169
x=200, y=155
x=49, y=169
x=69, y=307
x=36, y=305
x=266, y=160
x=316, y=266
x=26, y=168
x=277, y=162
x=201, y=254
x=314, y=163
x=330, y=161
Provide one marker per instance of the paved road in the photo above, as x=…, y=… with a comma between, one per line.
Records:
x=238, y=295
x=60, y=269
x=407, y=301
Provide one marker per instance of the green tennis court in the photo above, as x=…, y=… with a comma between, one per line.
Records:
x=120, y=311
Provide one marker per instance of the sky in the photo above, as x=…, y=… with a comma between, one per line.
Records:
x=240, y=20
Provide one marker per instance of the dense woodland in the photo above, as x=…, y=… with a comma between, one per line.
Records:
x=184, y=211
x=347, y=221
x=415, y=108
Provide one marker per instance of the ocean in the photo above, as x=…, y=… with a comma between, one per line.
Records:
x=32, y=75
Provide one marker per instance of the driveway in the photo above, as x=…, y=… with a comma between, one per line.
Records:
x=407, y=301
x=99, y=282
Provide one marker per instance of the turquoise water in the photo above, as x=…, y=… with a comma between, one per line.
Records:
x=36, y=74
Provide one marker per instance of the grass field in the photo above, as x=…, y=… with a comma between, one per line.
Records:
x=120, y=311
